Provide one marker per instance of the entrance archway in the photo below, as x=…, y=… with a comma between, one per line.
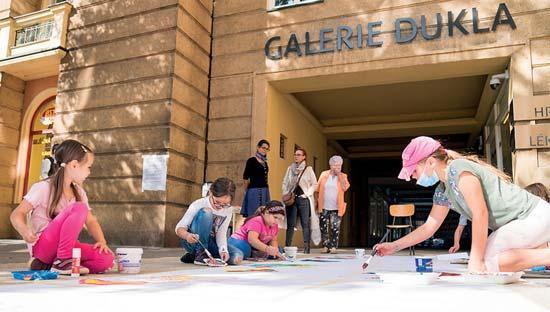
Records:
x=37, y=108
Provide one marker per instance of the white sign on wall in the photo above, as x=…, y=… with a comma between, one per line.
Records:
x=155, y=168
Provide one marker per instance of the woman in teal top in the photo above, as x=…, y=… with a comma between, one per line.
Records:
x=485, y=195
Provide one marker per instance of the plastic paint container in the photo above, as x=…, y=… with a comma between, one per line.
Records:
x=290, y=253
x=359, y=253
x=129, y=260
x=424, y=264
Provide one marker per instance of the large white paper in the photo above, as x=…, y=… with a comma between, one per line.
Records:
x=154, y=173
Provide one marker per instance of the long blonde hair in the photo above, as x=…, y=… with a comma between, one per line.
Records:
x=447, y=156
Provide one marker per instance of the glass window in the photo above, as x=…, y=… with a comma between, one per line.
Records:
x=282, y=143
x=282, y=4
x=41, y=141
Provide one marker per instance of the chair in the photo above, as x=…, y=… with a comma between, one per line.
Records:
x=402, y=211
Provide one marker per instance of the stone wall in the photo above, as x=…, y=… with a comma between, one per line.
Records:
x=11, y=105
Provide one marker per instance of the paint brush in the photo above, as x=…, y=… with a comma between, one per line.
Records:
x=205, y=249
x=208, y=252
x=373, y=253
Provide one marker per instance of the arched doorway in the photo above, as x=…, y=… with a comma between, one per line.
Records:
x=40, y=141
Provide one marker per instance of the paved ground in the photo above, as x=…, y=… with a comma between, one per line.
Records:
x=167, y=284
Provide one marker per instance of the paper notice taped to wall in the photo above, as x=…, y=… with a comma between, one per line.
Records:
x=155, y=168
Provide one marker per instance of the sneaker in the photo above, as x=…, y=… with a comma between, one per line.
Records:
x=37, y=265
x=64, y=267
x=200, y=257
x=333, y=250
x=187, y=258
x=324, y=250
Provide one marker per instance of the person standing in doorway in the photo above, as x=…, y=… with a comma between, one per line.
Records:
x=47, y=166
x=332, y=185
x=300, y=183
x=255, y=180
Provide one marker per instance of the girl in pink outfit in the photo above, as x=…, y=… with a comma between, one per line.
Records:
x=58, y=208
x=258, y=233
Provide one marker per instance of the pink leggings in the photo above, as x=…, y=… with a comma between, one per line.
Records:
x=61, y=236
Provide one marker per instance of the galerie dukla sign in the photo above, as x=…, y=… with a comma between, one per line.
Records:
x=406, y=30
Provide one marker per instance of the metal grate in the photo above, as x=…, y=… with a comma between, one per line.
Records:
x=34, y=33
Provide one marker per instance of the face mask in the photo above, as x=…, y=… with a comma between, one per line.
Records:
x=427, y=181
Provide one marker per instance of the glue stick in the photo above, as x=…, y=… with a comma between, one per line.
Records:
x=75, y=270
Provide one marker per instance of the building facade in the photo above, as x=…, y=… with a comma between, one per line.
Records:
x=202, y=81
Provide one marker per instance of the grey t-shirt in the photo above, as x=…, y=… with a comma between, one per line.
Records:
x=505, y=201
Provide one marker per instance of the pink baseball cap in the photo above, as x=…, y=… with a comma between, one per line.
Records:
x=420, y=148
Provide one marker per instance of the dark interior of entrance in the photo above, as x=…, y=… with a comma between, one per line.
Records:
x=369, y=117
x=375, y=187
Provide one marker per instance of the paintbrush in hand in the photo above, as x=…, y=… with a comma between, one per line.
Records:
x=366, y=263
x=205, y=249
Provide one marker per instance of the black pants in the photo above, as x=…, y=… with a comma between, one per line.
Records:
x=301, y=206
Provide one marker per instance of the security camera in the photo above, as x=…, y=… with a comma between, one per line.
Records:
x=496, y=80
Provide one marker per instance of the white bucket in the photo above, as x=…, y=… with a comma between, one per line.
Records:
x=359, y=253
x=129, y=260
x=290, y=253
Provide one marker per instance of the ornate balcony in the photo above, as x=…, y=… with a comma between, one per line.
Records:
x=32, y=44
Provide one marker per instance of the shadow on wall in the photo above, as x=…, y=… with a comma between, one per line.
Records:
x=114, y=95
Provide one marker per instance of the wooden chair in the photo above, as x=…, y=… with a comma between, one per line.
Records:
x=402, y=211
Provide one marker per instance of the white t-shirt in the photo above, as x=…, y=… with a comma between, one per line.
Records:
x=222, y=218
x=331, y=193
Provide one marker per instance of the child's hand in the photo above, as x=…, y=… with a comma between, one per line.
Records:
x=192, y=238
x=455, y=248
x=272, y=251
x=225, y=256
x=29, y=236
x=103, y=248
x=385, y=249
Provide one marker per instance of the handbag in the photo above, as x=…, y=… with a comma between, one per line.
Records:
x=290, y=198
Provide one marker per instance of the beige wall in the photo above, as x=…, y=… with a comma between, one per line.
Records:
x=242, y=77
x=530, y=69
x=189, y=110
x=18, y=7
x=134, y=82
x=11, y=103
x=34, y=87
x=285, y=117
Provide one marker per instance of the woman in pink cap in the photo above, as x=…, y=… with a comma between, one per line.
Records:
x=486, y=196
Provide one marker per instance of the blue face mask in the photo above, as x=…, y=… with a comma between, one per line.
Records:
x=427, y=181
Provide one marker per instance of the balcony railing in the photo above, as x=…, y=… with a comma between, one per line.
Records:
x=282, y=4
x=34, y=32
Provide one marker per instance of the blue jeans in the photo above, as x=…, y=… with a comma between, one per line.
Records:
x=238, y=248
x=202, y=225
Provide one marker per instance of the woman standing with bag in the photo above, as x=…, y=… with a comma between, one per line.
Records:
x=299, y=184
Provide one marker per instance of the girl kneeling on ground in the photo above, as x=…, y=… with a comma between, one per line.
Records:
x=59, y=209
x=485, y=195
x=258, y=234
x=205, y=223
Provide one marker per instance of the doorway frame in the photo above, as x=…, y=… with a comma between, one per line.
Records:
x=25, y=140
